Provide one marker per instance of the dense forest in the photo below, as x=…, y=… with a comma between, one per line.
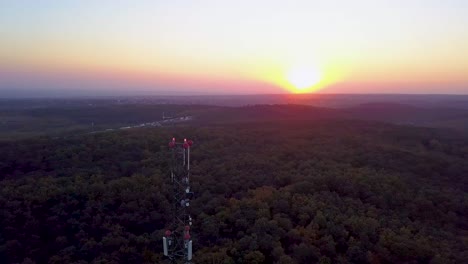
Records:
x=323, y=191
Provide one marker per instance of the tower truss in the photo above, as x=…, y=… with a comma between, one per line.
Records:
x=177, y=243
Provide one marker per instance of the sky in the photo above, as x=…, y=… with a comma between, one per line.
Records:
x=188, y=47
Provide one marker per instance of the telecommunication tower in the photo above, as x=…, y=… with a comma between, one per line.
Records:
x=177, y=243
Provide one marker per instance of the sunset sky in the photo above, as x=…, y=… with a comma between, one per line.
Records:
x=233, y=47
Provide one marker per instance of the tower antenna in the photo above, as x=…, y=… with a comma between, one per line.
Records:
x=177, y=242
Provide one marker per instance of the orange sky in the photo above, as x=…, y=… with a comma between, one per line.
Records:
x=221, y=47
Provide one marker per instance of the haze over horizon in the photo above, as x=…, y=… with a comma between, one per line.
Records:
x=52, y=48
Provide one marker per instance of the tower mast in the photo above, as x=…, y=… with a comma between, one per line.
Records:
x=177, y=243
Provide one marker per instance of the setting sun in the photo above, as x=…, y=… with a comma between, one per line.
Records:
x=303, y=79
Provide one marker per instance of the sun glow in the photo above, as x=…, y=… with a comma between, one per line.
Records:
x=304, y=78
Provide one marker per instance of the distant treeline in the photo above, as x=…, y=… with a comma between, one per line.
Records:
x=65, y=118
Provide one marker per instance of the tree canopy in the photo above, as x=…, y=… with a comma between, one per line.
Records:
x=265, y=192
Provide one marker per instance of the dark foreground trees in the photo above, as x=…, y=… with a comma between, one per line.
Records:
x=282, y=192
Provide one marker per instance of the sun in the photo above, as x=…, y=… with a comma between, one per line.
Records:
x=304, y=78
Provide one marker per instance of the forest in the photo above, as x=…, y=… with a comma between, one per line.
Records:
x=273, y=191
x=29, y=118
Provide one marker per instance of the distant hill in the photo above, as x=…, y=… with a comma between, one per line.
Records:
x=315, y=99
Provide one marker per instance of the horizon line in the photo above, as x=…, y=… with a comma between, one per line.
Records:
x=221, y=95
